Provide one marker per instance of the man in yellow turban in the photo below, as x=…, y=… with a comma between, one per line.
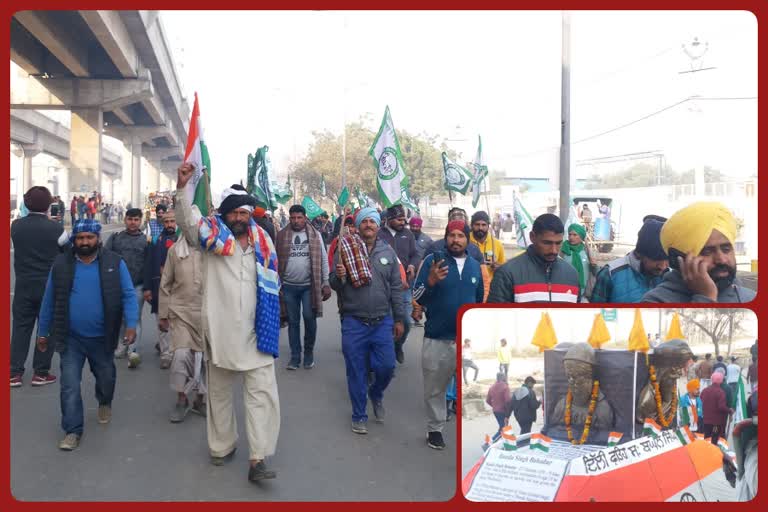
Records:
x=699, y=240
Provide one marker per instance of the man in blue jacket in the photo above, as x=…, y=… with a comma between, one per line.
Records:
x=89, y=291
x=446, y=281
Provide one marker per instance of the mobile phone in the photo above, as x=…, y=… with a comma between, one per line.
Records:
x=673, y=255
x=440, y=256
x=54, y=210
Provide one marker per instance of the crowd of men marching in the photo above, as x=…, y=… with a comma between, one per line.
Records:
x=221, y=287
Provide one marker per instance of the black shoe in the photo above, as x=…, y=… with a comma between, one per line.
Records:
x=399, y=354
x=309, y=361
x=260, y=472
x=293, y=365
x=220, y=461
x=378, y=411
x=359, y=427
x=435, y=440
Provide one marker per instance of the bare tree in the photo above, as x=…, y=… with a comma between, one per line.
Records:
x=717, y=324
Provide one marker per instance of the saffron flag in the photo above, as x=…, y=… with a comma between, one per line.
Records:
x=197, y=189
x=544, y=337
x=540, y=442
x=614, y=438
x=675, y=332
x=638, y=339
x=388, y=161
x=599, y=333
x=651, y=428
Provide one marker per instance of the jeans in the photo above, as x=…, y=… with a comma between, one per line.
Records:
x=27, y=298
x=298, y=302
x=102, y=366
x=468, y=363
x=133, y=347
x=525, y=426
x=504, y=368
x=367, y=347
x=408, y=303
x=501, y=419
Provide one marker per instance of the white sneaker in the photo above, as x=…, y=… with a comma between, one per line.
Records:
x=134, y=359
x=120, y=351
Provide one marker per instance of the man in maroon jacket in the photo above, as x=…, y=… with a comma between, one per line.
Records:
x=716, y=410
x=498, y=397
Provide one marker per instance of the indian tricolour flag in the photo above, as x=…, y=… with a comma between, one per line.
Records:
x=540, y=442
x=614, y=438
x=388, y=160
x=689, y=415
x=723, y=444
x=651, y=428
x=509, y=441
x=197, y=155
x=685, y=435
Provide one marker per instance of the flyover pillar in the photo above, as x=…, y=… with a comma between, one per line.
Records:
x=85, y=150
x=132, y=169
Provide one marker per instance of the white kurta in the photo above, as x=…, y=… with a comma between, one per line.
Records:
x=229, y=301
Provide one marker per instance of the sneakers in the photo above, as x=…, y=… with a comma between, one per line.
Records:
x=42, y=380
x=293, y=365
x=259, y=471
x=399, y=354
x=435, y=440
x=220, y=461
x=157, y=347
x=121, y=351
x=198, y=407
x=70, y=442
x=179, y=412
x=359, y=427
x=134, y=359
x=165, y=363
x=16, y=381
x=378, y=411
x=104, y=414
x=309, y=361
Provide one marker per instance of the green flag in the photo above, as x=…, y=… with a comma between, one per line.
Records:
x=344, y=197
x=455, y=177
x=259, y=183
x=313, y=209
x=362, y=199
x=407, y=201
x=388, y=161
x=322, y=186
x=481, y=171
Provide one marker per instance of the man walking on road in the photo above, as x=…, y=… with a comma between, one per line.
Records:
x=402, y=241
x=241, y=322
x=524, y=405
x=37, y=241
x=504, y=355
x=89, y=290
x=538, y=275
x=131, y=245
x=442, y=287
x=303, y=268
x=368, y=278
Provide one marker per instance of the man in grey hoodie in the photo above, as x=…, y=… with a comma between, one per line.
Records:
x=524, y=405
x=699, y=240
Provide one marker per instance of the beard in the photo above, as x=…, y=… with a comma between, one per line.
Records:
x=169, y=231
x=456, y=250
x=479, y=234
x=238, y=228
x=86, y=250
x=723, y=281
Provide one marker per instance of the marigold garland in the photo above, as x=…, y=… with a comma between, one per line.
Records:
x=664, y=420
x=590, y=413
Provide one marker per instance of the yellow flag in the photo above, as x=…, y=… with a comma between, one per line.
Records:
x=638, y=339
x=675, y=332
x=544, y=337
x=599, y=333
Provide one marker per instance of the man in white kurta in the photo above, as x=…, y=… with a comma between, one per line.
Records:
x=228, y=320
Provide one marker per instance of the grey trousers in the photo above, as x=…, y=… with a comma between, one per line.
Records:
x=188, y=371
x=438, y=365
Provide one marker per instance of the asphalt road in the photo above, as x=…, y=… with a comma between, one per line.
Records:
x=140, y=455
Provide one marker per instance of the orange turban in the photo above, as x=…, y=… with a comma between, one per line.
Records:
x=693, y=385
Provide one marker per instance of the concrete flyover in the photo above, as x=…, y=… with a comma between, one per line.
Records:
x=114, y=72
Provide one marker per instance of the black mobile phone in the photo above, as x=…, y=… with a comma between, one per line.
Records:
x=54, y=210
x=440, y=256
x=673, y=255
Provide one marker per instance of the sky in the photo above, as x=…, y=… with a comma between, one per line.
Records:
x=274, y=77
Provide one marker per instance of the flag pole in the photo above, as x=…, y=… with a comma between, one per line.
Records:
x=490, y=227
x=208, y=191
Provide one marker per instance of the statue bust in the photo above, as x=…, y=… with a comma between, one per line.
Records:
x=579, y=363
x=669, y=359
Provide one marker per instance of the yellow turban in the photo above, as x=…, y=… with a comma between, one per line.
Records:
x=692, y=385
x=690, y=228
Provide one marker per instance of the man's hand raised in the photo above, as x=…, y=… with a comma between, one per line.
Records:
x=185, y=172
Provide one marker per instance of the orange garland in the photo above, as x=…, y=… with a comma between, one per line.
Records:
x=590, y=413
x=665, y=421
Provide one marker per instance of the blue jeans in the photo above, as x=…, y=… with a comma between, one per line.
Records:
x=72, y=360
x=408, y=304
x=298, y=302
x=501, y=419
x=367, y=347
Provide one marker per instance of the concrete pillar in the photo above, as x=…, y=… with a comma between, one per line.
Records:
x=85, y=149
x=28, y=152
x=132, y=170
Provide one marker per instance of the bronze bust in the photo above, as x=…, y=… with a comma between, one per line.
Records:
x=669, y=359
x=579, y=366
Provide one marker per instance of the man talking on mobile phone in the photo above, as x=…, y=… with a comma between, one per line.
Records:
x=699, y=241
x=446, y=281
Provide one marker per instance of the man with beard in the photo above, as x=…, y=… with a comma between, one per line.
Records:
x=490, y=247
x=89, y=290
x=303, y=268
x=367, y=277
x=423, y=240
x=241, y=322
x=699, y=240
x=538, y=275
x=153, y=271
x=131, y=245
x=456, y=213
x=444, y=284
x=154, y=227
x=630, y=277
x=402, y=241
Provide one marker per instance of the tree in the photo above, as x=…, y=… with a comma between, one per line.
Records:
x=644, y=174
x=716, y=324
